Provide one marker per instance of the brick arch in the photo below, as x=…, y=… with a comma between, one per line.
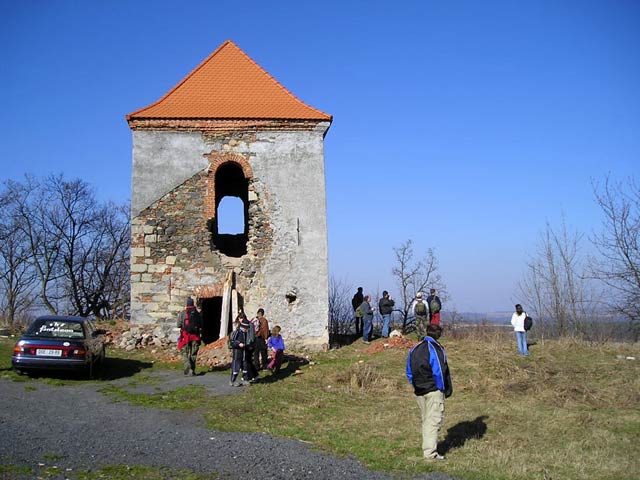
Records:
x=211, y=290
x=216, y=160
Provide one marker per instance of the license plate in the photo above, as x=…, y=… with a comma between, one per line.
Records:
x=48, y=352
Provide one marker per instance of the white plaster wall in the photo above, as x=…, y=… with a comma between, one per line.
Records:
x=292, y=167
x=161, y=162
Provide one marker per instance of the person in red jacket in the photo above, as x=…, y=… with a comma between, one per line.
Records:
x=190, y=324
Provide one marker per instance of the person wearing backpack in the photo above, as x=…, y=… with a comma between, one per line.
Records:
x=428, y=373
x=435, y=305
x=240, y=355
x=190, y=324
x=421, y=314
x=249, y=348
x=517, y=320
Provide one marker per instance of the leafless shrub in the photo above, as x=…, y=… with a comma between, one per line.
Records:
x=618, y=244
x=341, y=317
x=555, y=287
x=415, y=275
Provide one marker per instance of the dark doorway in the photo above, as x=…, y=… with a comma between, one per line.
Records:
x=211, y=312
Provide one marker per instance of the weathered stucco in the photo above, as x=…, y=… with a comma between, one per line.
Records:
x=172, y=255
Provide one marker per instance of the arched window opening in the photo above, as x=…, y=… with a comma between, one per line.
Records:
x=230, y=226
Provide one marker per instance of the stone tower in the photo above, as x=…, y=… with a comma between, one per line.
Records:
x=229, y=130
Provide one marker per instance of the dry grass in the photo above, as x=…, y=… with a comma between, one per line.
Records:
x=570, y=411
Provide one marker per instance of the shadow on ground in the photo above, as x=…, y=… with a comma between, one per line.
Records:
x=458, y=435
x=290, y=365
x=113, y=369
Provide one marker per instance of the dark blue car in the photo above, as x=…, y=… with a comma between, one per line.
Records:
x=60, y=343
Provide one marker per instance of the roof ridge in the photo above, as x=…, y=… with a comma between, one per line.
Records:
x=187, y=77
x=272, y=78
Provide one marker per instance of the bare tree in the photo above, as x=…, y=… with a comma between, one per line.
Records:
x=78, y=248
x=94, y=241
x=555, y=286
x=17, y=276
x=415, y=275
x=341, y=314
x=30, y=204
x=618, y=261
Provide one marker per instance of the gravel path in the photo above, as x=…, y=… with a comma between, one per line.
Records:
x=84, y=429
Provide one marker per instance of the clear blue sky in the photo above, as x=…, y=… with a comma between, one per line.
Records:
x=461, y=125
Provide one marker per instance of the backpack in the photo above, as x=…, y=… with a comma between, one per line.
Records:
x=435, y=305
x=359, y=313
x=191, y=324
x=420, y=308
x=528, y=323
x=251, y=335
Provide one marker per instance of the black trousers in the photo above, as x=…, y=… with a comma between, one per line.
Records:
x=260, y=353
x=251, y=368
x=359, y=325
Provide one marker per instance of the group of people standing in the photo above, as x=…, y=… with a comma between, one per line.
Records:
x=425, y=311
x=249, y=341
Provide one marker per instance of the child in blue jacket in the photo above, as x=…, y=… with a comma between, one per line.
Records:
x=276, y=345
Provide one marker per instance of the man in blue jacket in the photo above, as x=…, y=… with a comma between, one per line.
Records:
x=428, y=373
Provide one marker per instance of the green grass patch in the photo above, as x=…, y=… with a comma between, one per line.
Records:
x=181, y=398
x=123, y=472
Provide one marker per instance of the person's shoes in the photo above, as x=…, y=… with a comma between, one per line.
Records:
x=193, y=373
x=437, y=458
x=233, y=384
x=186, y=371
x=366, y=342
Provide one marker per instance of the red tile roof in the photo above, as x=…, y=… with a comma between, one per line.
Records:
x=229, y=85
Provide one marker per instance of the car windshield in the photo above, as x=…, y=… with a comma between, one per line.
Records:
x=51, y=328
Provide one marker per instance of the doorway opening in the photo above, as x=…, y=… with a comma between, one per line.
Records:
x=211, y=312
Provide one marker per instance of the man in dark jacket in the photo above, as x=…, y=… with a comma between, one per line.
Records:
x=385, y=306
x=434, y=303
x=356, y=301
x=428, y=373
x=190, y=324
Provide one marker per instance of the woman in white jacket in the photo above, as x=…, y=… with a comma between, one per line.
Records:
x=517, y=320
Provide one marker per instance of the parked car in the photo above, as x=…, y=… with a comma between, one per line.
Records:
x=60, y=343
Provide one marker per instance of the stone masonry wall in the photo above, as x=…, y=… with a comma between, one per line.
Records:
x=172, y=256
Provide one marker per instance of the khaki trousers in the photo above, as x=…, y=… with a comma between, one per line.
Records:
x=432, y=413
